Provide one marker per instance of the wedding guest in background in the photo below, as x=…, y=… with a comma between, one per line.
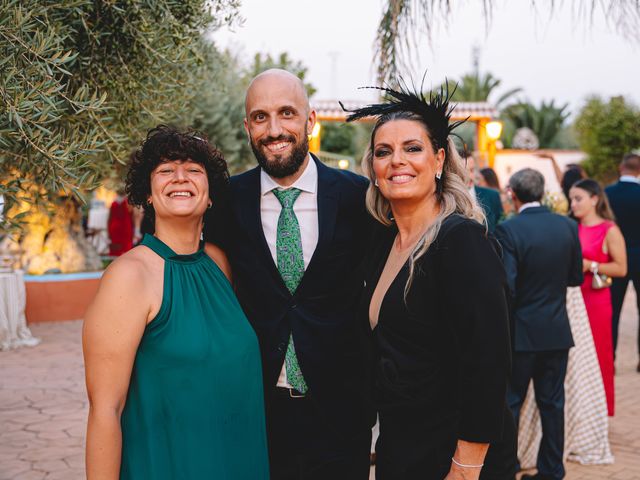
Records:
x=624, y=198
x=434, y=304
x=487, y=178
x=566, y=178
x=120, y=225
x=172, y=365
x=487, y=198
x=604, y=253
x=542, y=258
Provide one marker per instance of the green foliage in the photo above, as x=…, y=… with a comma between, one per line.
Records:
x=477, y=87
x=337, y=137
x=262, y=62
x=546, y=121
x=606, y=131
x=219, y=112
x=219, y=107
x=82, y=80
x=350, y=139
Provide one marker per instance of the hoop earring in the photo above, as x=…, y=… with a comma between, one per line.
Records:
x=376, y=182
x=438, y=175
x=210, y=205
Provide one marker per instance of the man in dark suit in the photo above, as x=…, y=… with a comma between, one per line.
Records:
x=542, y=256
x=294, y=242
x=624, y=197
x=487, y=198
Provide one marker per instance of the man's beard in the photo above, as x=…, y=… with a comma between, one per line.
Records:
x=280, y=166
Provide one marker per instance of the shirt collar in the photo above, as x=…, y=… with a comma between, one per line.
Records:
x=629, y=178
x=308, y=181
x=524, y=206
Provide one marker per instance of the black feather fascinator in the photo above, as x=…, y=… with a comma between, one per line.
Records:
x=434, y=108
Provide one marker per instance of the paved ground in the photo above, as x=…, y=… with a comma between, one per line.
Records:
x=43, y=408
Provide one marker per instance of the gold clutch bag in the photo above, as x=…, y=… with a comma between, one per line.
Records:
x=600, y=280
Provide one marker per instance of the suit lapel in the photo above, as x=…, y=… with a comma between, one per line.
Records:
x=328, y=197
x=248, y=213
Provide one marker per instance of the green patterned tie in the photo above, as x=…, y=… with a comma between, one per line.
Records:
x=291, y=268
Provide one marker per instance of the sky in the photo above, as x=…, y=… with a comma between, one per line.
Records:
x=549, y=57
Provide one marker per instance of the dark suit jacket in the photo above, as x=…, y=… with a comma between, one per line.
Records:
x=542, y=256
x=490, y=201
x=321, y=313
x=441, y=354
x=624, y=198
x=448, y=337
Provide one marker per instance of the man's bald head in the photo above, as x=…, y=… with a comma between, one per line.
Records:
x=278, y=121
x=276, y=77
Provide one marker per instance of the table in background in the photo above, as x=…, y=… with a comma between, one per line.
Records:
x=13, y=324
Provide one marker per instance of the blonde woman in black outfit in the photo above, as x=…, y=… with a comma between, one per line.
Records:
x=435, y=305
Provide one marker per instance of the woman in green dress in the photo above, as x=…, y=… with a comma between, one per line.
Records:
x=172, y=365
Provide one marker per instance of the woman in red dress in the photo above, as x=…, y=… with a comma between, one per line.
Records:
x=120, y=226
x=604, y=253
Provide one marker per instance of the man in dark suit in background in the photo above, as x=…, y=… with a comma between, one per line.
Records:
x=542, y=256
x=296, y=236
x=624, y=197
x=487, y=198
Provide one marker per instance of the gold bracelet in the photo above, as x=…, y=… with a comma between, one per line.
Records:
x=466, y=466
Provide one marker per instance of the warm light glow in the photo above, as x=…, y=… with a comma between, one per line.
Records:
x=494, y=129
x=316, y=130
x=343, y=164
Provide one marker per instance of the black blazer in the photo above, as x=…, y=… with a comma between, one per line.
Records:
x=542, y=257
x=321, y=313
x=442, y=358
x=624, y=198
x=490, y=202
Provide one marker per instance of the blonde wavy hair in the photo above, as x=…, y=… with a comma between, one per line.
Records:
x=452, y=196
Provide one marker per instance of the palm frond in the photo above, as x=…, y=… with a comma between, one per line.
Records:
x=396, y=35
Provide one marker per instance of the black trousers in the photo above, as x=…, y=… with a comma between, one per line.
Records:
x=304, y=445
x=618, y=291
x=548, y=370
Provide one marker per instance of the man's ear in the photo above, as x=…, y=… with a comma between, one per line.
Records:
x=311, y=121
x=246, y=128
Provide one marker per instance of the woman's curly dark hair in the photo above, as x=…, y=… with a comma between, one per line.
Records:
x=165, y=143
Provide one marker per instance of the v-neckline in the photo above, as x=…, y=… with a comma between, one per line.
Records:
x=379, y=272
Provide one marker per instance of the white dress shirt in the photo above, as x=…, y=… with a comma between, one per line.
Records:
x=524, y=206
x=306, y=210
x=629, y=178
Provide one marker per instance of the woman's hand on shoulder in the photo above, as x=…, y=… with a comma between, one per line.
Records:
x=220, y=258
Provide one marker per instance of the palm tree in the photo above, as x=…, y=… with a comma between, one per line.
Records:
x=546, y=121
x=478, y=87
x=402, y=18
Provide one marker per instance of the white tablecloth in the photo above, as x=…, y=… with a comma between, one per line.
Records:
x=586, y=422
x=13, y=325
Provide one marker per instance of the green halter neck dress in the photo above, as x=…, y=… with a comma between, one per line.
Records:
x=195, y=408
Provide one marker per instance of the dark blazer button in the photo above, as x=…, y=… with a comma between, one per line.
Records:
x=293, y=306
